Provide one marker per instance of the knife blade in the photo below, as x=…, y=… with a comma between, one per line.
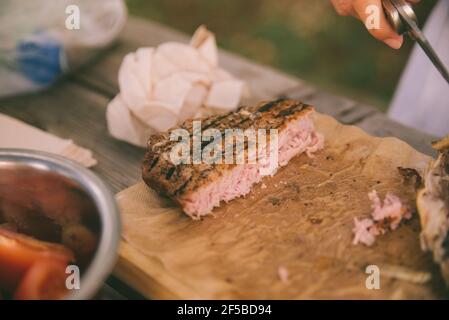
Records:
x=409, y=25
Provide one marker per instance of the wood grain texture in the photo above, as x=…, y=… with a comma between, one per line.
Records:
x=74, y=112
x=343, y=109
x=380, y=125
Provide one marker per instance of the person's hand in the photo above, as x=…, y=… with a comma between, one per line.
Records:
x=358, y=9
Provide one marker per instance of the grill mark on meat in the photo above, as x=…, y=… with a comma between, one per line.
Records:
x=183, y=186
x=266, y=107
x=196, y=181
x=204, y=144
x=202, y=174
x=188, y=125
x=188, y=178
x=292, y=110
x=234, y=119
x=180, y=170
x=170, y=172
x=229, y=120
x=207, y=123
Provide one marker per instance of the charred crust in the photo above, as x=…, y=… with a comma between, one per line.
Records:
x=291, y=110
x=182, y=188
x=170, y=172
x=268, y=106
x=411, y=176
x=179, y=181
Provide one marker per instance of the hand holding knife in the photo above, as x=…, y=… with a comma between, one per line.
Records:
x=403, y=19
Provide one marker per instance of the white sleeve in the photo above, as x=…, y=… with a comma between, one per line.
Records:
x=422, y=96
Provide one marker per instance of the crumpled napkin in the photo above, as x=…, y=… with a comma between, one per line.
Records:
x=19, y=135
x=161, y=87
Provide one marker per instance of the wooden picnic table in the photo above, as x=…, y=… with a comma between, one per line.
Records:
x=75, y=109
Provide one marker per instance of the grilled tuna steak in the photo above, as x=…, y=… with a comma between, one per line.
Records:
x=198, y=188
x=433, y=206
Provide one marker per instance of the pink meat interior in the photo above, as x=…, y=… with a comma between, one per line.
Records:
x=298, y=137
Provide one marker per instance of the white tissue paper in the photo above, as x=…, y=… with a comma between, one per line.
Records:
x=161, y=87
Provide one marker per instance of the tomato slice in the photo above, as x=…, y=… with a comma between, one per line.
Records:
x=44, y=280
x=19, y=252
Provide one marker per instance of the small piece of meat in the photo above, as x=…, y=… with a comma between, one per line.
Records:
x=362, y=232
x=386, y=215
x=283, y=274
x=391, y=211
x=433, y=208
x=198, y=188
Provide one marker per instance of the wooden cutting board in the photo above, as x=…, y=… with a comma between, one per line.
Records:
x=300, y=221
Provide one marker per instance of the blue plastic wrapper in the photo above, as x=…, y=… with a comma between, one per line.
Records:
x=40, y=59
x=39, y=43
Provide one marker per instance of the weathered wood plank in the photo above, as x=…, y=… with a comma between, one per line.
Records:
x=380, y=125
x=343, y=109
x=265, y=83
x=73, y=112
x=366, y=117
x=101, y=75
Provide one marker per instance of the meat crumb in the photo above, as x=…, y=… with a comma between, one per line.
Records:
x=386, y=215
x=263, y=186
x=362, y=232
x=283, y=274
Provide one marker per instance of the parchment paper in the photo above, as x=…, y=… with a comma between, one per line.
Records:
x=302, y=222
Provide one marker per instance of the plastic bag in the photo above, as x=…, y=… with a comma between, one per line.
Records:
x=41, y=40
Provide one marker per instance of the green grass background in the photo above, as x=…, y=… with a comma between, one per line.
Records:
x=305, y=38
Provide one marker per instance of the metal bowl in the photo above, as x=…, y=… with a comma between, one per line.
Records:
x=105, y=256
